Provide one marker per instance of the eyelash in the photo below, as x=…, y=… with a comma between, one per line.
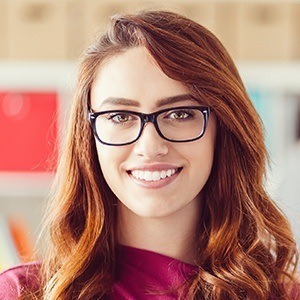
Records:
x=178, y=112
x=111, y=118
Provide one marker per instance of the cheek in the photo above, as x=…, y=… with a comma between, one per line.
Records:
x=205, y=152
x=106, y=157
x=110, y=160
x=202, y=160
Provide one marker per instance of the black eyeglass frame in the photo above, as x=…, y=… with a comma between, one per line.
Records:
x=145, y=118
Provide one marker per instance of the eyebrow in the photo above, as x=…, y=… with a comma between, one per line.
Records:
x=159, y=103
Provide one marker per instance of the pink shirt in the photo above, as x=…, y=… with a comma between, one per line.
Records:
x=14, y=280
x=142, y=275
x=148, y=275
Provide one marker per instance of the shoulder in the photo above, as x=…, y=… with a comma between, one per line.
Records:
x=295, y=291
x=292, y=289
x=17, y=279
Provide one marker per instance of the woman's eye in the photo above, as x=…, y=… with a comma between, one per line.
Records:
x=120, y=118
x=180, y=114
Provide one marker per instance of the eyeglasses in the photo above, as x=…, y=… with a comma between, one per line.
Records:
x=124, y=127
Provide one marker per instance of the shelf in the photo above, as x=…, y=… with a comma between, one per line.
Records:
x=33, y=75
x=23, y=185
x=276, y=75
x=61, y=75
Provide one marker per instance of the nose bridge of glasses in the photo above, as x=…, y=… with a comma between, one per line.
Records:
x=146, y=118
x=149, y=118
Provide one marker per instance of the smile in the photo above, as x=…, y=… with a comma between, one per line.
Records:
x=154, y=175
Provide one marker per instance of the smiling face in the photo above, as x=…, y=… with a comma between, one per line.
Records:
x=151, y=177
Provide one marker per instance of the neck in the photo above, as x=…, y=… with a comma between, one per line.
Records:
x=173, y=236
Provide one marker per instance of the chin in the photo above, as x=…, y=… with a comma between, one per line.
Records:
x=153, y=210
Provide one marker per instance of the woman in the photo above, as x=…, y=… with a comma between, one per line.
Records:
x=159, y=192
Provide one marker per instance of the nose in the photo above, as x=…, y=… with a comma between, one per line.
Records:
x=150, y=145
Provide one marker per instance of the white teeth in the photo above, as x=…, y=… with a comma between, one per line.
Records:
x=148, y=175
x=153, y=176
x=156, y=175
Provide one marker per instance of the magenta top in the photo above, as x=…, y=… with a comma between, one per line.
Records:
x=14, y=280
x=142, y=274
x=145, y=274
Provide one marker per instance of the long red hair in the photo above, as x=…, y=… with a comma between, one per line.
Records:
x=245, y=245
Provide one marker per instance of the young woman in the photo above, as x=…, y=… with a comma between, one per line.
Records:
x=160, y=188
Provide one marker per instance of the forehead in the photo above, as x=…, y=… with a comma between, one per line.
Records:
x=135, y=75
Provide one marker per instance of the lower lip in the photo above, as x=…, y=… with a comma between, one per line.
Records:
x=155, y=184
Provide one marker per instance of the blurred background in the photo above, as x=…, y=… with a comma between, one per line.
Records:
x=41, y=41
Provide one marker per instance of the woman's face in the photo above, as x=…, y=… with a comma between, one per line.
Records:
x=135, y=76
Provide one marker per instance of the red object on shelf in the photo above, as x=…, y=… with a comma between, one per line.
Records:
x=22, y=238
x=28, y=131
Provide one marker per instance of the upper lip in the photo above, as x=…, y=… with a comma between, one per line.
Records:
x=153, y=167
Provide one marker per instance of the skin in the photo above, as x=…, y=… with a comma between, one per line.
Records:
x=161, y=218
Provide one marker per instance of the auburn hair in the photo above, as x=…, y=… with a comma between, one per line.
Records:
x=246, y=249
